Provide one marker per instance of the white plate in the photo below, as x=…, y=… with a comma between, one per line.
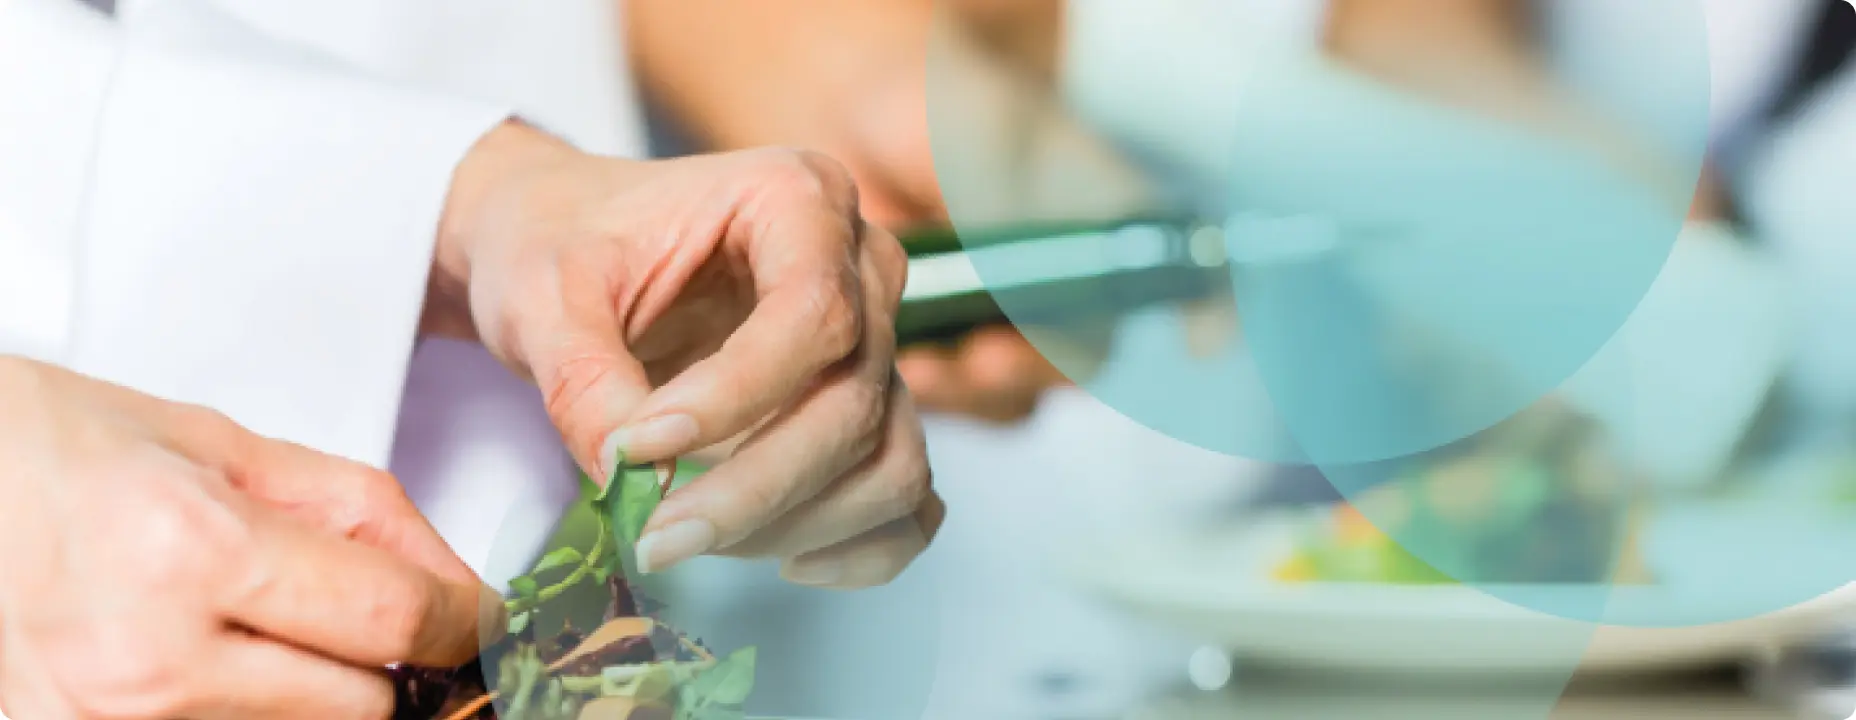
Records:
x=1220, y=591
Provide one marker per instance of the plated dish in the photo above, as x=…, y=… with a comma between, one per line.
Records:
x=1539, y=499
x=1373, y=586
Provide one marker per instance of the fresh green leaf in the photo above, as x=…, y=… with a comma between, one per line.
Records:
x=646, y=683
x=612, y=481
x=558, y=558
x=551, y=698
x=530, y=673
x=525, y=587
x=583, y=685
x=519, y=622
x=729, y=682
x=638, y=496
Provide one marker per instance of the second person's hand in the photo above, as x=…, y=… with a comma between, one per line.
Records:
x=668, y=307
x=158, y=561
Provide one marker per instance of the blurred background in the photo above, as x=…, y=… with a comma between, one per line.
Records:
x=1663, y=535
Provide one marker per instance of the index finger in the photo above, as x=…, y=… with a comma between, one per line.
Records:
x=355, y=603
x=809, y=316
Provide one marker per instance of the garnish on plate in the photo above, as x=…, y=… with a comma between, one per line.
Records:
x=1541, y=499
x=631, y=666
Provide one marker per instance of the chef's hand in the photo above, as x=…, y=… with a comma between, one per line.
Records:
x=667, y=307
x=157, y=562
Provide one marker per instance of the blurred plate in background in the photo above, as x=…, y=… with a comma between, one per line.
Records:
x=1219, y=587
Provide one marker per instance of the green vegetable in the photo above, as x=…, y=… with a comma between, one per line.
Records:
x=729, y=682
x=639, y=494
x=560, y=558
x=610, y=521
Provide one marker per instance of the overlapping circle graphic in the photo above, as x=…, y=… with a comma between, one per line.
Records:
x=1414, y=272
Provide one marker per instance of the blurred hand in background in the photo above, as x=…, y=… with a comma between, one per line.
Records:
x=952, y=111
x=853, y=79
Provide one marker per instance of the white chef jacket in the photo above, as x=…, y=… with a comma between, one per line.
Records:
x=233, y=203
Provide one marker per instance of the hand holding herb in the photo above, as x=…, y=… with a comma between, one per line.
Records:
x=162, y=562
x=665, y=307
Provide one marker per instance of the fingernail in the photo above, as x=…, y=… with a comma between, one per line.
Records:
x=666, y=474
x=664, y=549
x=821, y=573
x=653, y=436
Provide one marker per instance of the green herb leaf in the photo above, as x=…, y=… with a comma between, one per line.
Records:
x=646, y=683
x=519, y=622
x=590, y=491
x=559, y=558
x=637, y=499
x=583, y=685
x=729, y=682
x=530, y=673
x=525, y=587
x=618, y=471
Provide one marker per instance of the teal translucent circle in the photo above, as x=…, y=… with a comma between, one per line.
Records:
x=1407, y=272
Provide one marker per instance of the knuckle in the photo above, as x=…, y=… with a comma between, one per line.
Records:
x=171, y=545
x=568, y=381
x=752, y=505
x=867, y=416
x=834, y=177
x=810, y=173
x=396, y=612
x=791, y=171
x=889, y=257
x=904, y=489
x=366, y=498
x=371, y=493
x=840, y=328
x=204, y=419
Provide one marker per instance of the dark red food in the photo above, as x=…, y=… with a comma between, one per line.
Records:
x=428, y=693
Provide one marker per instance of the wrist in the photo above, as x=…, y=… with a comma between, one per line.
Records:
x=488, y=189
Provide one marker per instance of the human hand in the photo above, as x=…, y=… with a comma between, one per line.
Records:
x=667, y=307
x=162, y=562
x=993, y=374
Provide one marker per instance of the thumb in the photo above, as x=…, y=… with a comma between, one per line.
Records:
x=589, y=379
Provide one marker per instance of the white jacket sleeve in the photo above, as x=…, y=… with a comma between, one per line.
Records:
x=208, y=215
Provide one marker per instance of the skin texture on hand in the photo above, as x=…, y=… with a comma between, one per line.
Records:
x=667, y=307
x=163, y=562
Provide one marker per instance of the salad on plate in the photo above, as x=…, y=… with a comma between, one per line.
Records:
x=565, y=659
x=1540, y=499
